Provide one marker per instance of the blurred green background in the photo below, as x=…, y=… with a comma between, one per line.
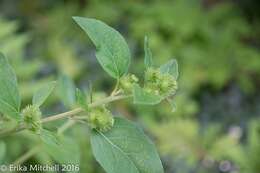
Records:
x=216, y=126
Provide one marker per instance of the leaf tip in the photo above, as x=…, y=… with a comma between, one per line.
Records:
x=76, y=18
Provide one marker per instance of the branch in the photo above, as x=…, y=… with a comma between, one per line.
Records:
x=36, y=149
x=78, y=110
x=71, y=113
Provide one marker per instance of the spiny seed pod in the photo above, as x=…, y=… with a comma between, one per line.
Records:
x=101, y=119
x=152, y=75
x=32, y=118
x=167, y=85
x=127, y=82
x=159, y=83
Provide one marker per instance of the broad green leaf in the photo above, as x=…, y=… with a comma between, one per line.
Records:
x=81, y=99
x=112, y=50
x=145, y=98
x=10, y=100
x=125, y=148
x=171, y=67
x=66, y=152
x=66, y=90
x=43, y=93
x=49, y=138
x=148, y=58
x=2, y=151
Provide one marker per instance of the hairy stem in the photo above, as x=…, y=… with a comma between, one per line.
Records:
x=63, y=128
x=71, y=113
x=78, y=110
x=62, y=115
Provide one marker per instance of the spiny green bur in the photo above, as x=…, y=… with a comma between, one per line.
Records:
x=101, y=119
x=32, y=118
x=127, y=82
x=158, y=83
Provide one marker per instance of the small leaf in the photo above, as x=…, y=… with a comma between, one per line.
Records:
x=2, y=151
x=43, y=93
x=66, y=90
x=67, y=152
x=10, y=100
x=145, y=98
x=148, y=58
x=125, y=148
x=171, y=67
x=49, y=138
x=112, y=50
x=81, y=99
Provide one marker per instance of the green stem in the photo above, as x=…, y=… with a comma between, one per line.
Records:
x=116, y=88
x=61, y=115
x=65, y=126
x=78, y=110
x=67, y=114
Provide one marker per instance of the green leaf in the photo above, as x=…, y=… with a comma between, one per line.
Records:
x=10, y=100
x=145, y=98
x=49, y=138
x=67, y=152
x=171, y=67
x=81, y=99
x=112, y=50
x=66, y=90
x=43, y=93
x=125, y=148
x=148, y=58
x=2, y=151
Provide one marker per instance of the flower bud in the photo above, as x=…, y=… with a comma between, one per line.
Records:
x=32, y=118
x=101, y=119
x=127, y=82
